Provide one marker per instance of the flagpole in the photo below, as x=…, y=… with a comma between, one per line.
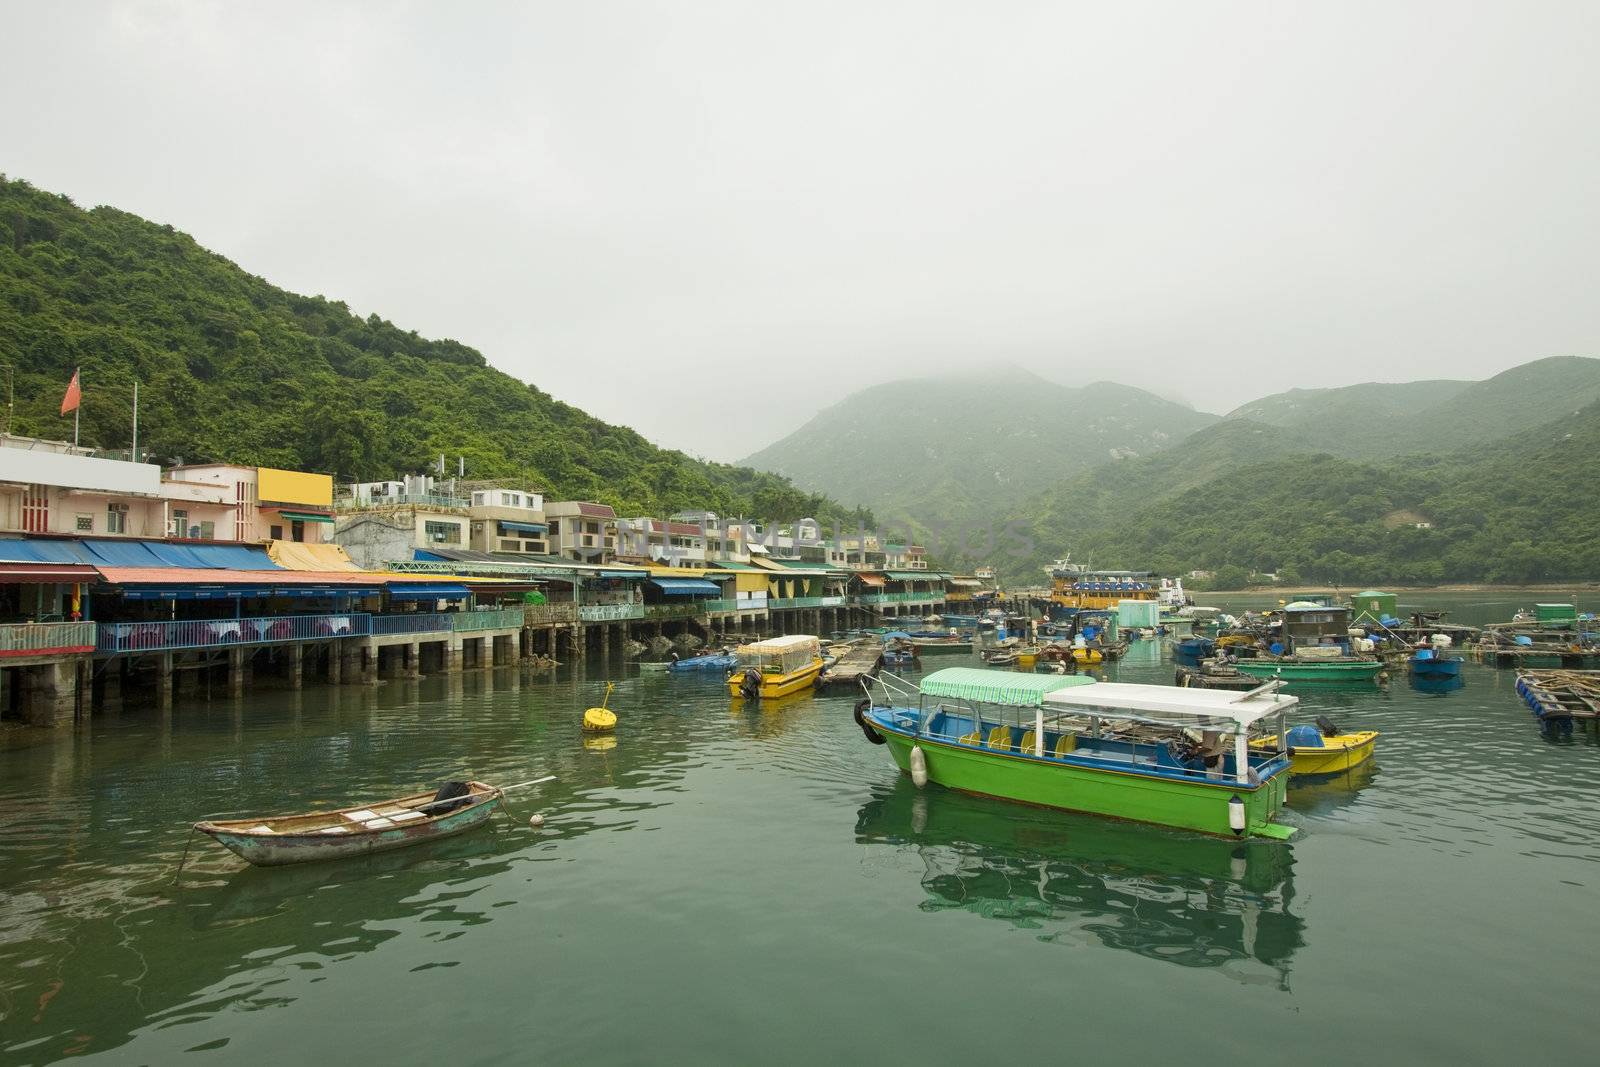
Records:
x=133, y=451
x=76, y=410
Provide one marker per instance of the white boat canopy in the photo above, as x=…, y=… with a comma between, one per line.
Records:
x=791, y=643
x=1209, y=708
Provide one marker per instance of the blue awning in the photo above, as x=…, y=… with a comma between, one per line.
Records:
x=685, y=586
x=525, y=527
x=426, y=591
x=236, y=592
x=138, y=554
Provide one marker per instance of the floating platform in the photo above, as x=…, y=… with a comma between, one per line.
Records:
x=1560, y=697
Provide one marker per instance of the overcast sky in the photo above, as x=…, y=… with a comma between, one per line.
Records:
x=708, y=220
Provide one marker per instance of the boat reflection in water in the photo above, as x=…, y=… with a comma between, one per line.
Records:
x=1319, y=794
x=1437, y=686
x=1188, y=900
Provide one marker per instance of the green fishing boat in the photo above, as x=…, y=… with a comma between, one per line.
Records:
x=1149, y=753
x=1294, y=669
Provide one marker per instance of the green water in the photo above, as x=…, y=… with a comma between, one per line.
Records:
x=732, y=885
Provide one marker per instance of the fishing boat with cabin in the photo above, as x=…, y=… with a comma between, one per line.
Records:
x=1148, y=753
x=776, y=667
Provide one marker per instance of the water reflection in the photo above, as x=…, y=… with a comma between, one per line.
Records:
x=1187, y=900
x=1437, y=686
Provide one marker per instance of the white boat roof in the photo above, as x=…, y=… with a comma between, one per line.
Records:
x=1166, y=702
x=782, y=644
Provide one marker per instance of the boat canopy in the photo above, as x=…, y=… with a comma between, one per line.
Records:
x=788, y=653
x=999, y=687
x=1208, y=708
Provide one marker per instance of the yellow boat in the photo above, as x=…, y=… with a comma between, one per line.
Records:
x=776, y=667
x=1324, y=751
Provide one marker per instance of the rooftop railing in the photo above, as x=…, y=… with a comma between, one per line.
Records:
x=488, y=619
x=610, y=612
x=421, y=622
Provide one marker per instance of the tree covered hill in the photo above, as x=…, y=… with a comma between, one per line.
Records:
x=1377, y=420
x=933, y=452
x=1516, y=509
x=232, y=368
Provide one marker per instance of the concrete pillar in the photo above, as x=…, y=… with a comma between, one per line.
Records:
x=164, y=680
x=413, y=659
x=455, y=653
x=296, y=665
x=238, y=671
x=503, y=649
x=335, y=654
x=111, y=685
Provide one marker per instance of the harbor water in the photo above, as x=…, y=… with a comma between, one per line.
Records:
x=719, y=883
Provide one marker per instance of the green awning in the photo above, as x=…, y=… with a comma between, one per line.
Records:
x=305, y=516
x=1008, y=688
x=739, y=567
x=911, y=576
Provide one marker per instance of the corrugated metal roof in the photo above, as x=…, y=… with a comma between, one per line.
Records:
x=1007, y=688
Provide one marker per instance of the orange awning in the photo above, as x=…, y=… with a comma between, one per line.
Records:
x=871, y=579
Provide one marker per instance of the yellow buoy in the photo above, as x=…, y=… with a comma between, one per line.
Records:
x=599, y=720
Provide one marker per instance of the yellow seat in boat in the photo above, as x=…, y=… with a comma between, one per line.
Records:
x=1000, y=737
x=1027, y=742
x=1067, y=744
x=974, y=738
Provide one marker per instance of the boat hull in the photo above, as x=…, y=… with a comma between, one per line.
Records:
x=1310, y=671
x=1192, y=805
x=1436, y=668
x=280, y=849
x=1338, y=753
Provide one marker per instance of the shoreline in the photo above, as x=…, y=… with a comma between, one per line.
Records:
x=1456, y=587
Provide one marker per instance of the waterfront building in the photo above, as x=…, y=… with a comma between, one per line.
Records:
x=508, y=521
x=381, y=521
x=582, y=531
x=268, y=504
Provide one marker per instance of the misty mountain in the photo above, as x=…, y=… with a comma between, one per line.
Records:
x=937, y=451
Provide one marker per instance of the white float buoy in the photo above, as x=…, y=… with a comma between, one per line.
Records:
x=1236, y=814
x=536, y=821
x=919, y=767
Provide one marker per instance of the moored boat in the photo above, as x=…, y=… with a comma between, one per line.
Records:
x=1296, y=669
x=1324, y=748
x=378, y=827
x=719, y=661
x=776, y=667
x=1430, y=663
x=1155, y=754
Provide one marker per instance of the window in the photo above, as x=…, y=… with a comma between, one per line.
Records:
x=180, y=523
x=208, y=530
x=442, y=533
x=510, y=500
x=84, y=524
x=277, y=533
x=116, y=518
x=297, y=530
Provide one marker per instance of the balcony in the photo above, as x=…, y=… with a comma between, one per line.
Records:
x=419, y=623
x=114, y=637
x=549, y=614
x=610, y=612
x=401, y=500
x=487, y=619
x=42, y=638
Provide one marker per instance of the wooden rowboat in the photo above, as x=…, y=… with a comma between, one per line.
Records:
x=358, y=831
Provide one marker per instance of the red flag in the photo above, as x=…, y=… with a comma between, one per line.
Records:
x=74, y=394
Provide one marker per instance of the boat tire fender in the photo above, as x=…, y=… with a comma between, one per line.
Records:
x=861, y=720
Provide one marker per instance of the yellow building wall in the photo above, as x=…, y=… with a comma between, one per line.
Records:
x=294, y=487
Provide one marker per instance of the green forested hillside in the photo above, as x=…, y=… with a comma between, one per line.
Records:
x=232, y=368
x=1377, y=420
x=1516, y=509
x=937, y=452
